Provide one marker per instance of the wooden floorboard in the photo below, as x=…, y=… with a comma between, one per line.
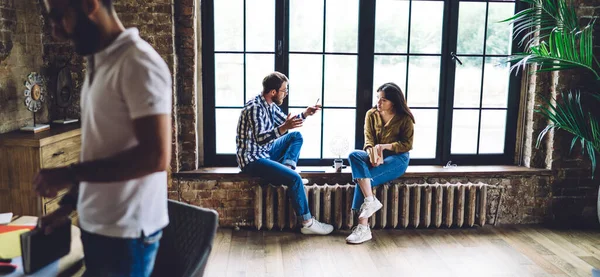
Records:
x=521, y=250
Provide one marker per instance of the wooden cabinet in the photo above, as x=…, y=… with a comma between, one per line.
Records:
x=21, y=157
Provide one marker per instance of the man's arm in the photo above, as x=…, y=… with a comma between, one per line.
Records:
x=152, y=154
x=281, y=117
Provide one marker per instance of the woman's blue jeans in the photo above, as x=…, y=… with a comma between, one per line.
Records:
x=394, y=165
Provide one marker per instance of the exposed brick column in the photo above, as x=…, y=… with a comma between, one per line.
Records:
x=154, y=19
x=574, y=192
x=186, y=43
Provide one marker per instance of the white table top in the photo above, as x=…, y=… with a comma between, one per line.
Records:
x=56, y=267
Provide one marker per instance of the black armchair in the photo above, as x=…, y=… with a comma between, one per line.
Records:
x=187, y=241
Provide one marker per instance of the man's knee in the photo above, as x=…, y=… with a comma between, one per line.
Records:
x=297, y=136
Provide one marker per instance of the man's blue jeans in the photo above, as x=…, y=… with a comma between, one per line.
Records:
x=394, y=165
x=285, y=151
x=116, y=257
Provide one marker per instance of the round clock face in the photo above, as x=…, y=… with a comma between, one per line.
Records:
x=34, y=92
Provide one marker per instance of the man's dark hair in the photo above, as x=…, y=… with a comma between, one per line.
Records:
x=107, y=3
x=273, y=81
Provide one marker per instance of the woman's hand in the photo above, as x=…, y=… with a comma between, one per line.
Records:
x=371, y=153
x=379, y=154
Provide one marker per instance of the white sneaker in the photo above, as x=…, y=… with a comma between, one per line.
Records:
x=360, y=234
x=317, y=228
x=367, y=209
x=304, y=181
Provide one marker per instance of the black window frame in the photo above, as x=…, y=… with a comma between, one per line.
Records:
x=364, y=95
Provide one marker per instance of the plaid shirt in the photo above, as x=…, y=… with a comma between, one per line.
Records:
x=257, y=129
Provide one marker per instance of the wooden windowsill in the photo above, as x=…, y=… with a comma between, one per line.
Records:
x=412, y=171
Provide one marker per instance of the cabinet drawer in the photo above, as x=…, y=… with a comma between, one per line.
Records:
x=61, y=153
x=51, y=205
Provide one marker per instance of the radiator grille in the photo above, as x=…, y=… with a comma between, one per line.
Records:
x=404, y=206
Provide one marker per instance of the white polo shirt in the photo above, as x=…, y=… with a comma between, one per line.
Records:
x=130, y=81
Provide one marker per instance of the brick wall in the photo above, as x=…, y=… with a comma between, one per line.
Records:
x=574, y=192
x=154, y=19
x=170, y=26
x=20, y=54
x=186, y=42
x=59, y=55
x=526, y=198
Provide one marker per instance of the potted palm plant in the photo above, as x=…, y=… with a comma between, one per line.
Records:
x=554, y=40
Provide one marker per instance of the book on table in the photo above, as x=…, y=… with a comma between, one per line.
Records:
x=39, y=249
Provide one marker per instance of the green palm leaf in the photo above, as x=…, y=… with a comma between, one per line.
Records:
x=560, y=43
x=570, y=116
x=543, y=16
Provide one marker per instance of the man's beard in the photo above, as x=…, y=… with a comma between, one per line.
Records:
x=85, y=36
x=278, y=100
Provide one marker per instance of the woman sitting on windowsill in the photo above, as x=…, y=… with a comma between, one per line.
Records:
x=388, y=140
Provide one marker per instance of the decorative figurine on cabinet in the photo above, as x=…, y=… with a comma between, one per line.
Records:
x=64, y=95
x=35, y=95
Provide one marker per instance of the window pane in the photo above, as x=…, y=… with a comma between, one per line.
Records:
x=306, y=25
x=229, y=25
x=495, y=83
x=341, y=34
x=423, y=81
x=471, y=24
x=257, y=67
x=426, y=27
x=305, y=79
x=338, y=132
x=493, y=129
x=499, y=34
x=467, y=85
x=340, y=81
x=464, y=132
x=226, y=126
x=391, y=26
x=229, y=80
x=424, y=140
x=388, y=69
x=260, y=25
x=311, y=134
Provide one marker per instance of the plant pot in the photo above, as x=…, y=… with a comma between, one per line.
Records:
x=598, y=204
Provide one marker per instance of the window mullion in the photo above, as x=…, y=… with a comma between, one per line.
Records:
x=514, y=94
x=447, y=75
x=366, y=49
x=282, y=42
x=208, y=84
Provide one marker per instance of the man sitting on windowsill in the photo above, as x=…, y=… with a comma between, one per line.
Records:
x=265, y=149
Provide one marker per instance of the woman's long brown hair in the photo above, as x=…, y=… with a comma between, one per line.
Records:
x=394, y=94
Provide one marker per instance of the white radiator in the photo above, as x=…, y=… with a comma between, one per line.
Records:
x=404, y=206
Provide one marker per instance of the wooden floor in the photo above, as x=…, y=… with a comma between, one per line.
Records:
x=522, y=250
